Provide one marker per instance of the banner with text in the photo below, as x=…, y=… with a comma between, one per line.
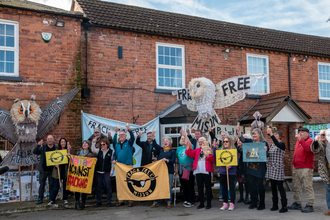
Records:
x=145, y=183
x=315, y=129
x=90, y=122
x=80, y=174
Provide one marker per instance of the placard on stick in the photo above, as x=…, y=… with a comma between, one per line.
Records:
x=56, y=157
x=226, y=157
x=254, y=152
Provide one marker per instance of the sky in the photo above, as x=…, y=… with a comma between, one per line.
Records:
x=299, y=16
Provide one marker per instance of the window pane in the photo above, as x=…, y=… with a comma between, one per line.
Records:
x=178, y=52
x=2, y=41
x=10, y=30
x=161, y=72
x=167, y=72
x=167, y=82
x=172, y=51
x=10, y=56
x=160, y=50
x=10, y=41
x=167, y=60
x=9, y=67
x=173, y=82
x=167, y=130
x=2, y=55
x=173, y=61
x=179, y=74
x=2, y=67
x=178, y=62
x=160, y=60
x=2, y=29
x=160, y=81
x=167, y=51
x=179, y=83
x=172, y=73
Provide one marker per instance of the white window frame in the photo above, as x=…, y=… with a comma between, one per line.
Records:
x=15, y=48
x=267, y=74
x=163, y=126
x=318, y=79
x=182, y=68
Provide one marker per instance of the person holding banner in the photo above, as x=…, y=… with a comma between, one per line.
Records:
x=45, y=171
x=321, y=146
x=203, y=167
x=184, y=168
x=63, y=171
x=150, y=148
x=229, y=171
x=83, y=152
x=123, y=152
x=256, y=173
x=167, y=155
x=104, y=170
x=275, y=169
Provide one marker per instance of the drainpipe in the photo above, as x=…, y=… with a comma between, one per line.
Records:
x=289, y=68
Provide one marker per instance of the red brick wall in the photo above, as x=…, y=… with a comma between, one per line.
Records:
x=48, y=69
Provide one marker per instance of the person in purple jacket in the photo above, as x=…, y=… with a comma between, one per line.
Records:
x=228, y=144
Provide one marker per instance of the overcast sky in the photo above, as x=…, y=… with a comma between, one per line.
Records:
x=299, y=16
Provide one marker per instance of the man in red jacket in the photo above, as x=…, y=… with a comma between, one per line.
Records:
x=303, y=166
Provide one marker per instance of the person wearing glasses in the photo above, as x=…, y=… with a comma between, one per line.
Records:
x=275, y=169
x=104, y=170
x=319, y=146
x=202, y=168
x=123, y=153
x=83, y=152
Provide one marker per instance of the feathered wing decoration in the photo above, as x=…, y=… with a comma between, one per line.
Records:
x=7, y=128
x=51, y=112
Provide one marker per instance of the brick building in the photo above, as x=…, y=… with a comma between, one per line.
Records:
x=132, y=58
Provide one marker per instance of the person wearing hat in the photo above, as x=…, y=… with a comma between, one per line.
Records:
x=303, y=166
x=97, y=136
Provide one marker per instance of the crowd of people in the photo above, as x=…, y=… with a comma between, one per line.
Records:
x=194, y=162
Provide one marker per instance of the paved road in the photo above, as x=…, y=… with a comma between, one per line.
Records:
x=143, y=211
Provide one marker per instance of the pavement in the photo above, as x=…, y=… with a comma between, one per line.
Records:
x=142, y=210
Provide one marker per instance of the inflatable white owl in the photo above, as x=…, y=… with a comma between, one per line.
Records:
x=202, y=92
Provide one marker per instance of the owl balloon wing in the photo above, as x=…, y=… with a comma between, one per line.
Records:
x=51, y=112
x=232, y=90
x=7, y=128
x=192, y=106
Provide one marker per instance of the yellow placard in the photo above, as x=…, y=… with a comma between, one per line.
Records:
x=80, y=174
x=226, y=157
x=145, y=183
x=56, y=157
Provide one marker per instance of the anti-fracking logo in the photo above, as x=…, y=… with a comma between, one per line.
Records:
x=141, y=185
x=226, y=157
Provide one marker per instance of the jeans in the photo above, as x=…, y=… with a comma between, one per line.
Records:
x=201, y=179
x=107, y=180
x=223, y=180
x=44, y=175
x=56, y=188
x=327, y=187
x=170, y=177
x=188, y=188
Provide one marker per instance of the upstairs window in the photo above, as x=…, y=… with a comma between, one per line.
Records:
x=258, y=64
x=170, y=66
x=9, y=48
x=324, y=81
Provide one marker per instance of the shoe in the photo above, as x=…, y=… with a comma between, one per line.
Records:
x=184, y=203
x=284, y=206
x=295, y=206
x=240, y=200
x=327, y=212
x=98, y=204
x=120, y=204
x=231, y=207
x=188, y=205
x=169, y=205
x=66, y=202
x=308, y=208
x=130, y=204
x=200, y=206
x=77, y=205
x=208, y=207
x=224, y=206
x=154, y=205
x=39, y=201
x=50, y=203
x=83, y=204
x=252, y=206
x=261, y=207
x=109, y=205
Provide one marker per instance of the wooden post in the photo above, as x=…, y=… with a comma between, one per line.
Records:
x=59, y=177
x=227, y=177
x=20, y=191
x=31, y=182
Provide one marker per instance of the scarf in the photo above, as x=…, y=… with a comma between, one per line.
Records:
x=166, y=149
x=82, y=154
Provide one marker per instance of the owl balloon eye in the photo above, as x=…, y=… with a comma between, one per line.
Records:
x=20, y=111
x=198, y=85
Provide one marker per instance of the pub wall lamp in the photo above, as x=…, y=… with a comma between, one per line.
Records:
x=304, y=59
x=227, y=50
x=59, y=23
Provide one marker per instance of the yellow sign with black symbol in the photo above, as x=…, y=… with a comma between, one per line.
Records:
x=226, y=157
x=56, y=157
